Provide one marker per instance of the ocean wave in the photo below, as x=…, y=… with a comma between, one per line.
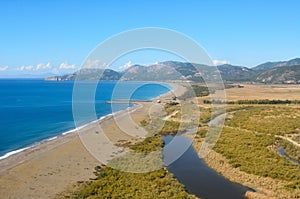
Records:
x=8, y=154
x=113, y=114
x=13, y=152
x=53, y=138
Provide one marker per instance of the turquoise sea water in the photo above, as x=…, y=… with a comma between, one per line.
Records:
x=32, y=111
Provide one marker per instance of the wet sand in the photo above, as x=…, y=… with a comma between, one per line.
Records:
x=45, y=170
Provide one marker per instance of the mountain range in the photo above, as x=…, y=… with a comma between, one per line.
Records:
x=282, y=72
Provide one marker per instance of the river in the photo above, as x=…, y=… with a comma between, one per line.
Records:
x=197, y=177
x=282, y=153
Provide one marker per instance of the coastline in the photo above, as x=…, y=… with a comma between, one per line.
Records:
x=62, y=136
x=76, y=129
x=45, y=169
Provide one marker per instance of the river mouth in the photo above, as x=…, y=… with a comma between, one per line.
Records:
x=196, y=176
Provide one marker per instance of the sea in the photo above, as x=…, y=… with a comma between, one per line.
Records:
x=33, y=111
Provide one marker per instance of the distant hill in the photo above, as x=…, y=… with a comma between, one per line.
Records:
x=89, y=74
x=172, y=70
x=269, y=65
x=236, y=73
x=281, y=75
x=269, y=72
x=162, y=71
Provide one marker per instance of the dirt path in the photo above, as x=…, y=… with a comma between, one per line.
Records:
x=171, y=115
x=289, y=140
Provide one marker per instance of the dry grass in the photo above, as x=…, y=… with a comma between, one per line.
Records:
x=251, y=92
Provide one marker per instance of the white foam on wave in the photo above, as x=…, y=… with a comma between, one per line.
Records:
x=68, y=132
x=13, y=152
x=25, y=148
x=53, y=138
x=130, y=108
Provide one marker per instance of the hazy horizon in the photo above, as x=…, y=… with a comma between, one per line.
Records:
x=53, y=37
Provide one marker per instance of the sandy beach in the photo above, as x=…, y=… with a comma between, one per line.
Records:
x=49, y=168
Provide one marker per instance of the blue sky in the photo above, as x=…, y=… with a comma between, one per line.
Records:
x=56, y=36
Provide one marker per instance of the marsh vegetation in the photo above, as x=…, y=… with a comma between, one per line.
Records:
x=113, y=183
x=251, y=137
x=252, y=134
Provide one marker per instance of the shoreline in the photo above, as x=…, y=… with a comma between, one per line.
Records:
x=76, y=129
x=46, y=169
x=58, y=136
